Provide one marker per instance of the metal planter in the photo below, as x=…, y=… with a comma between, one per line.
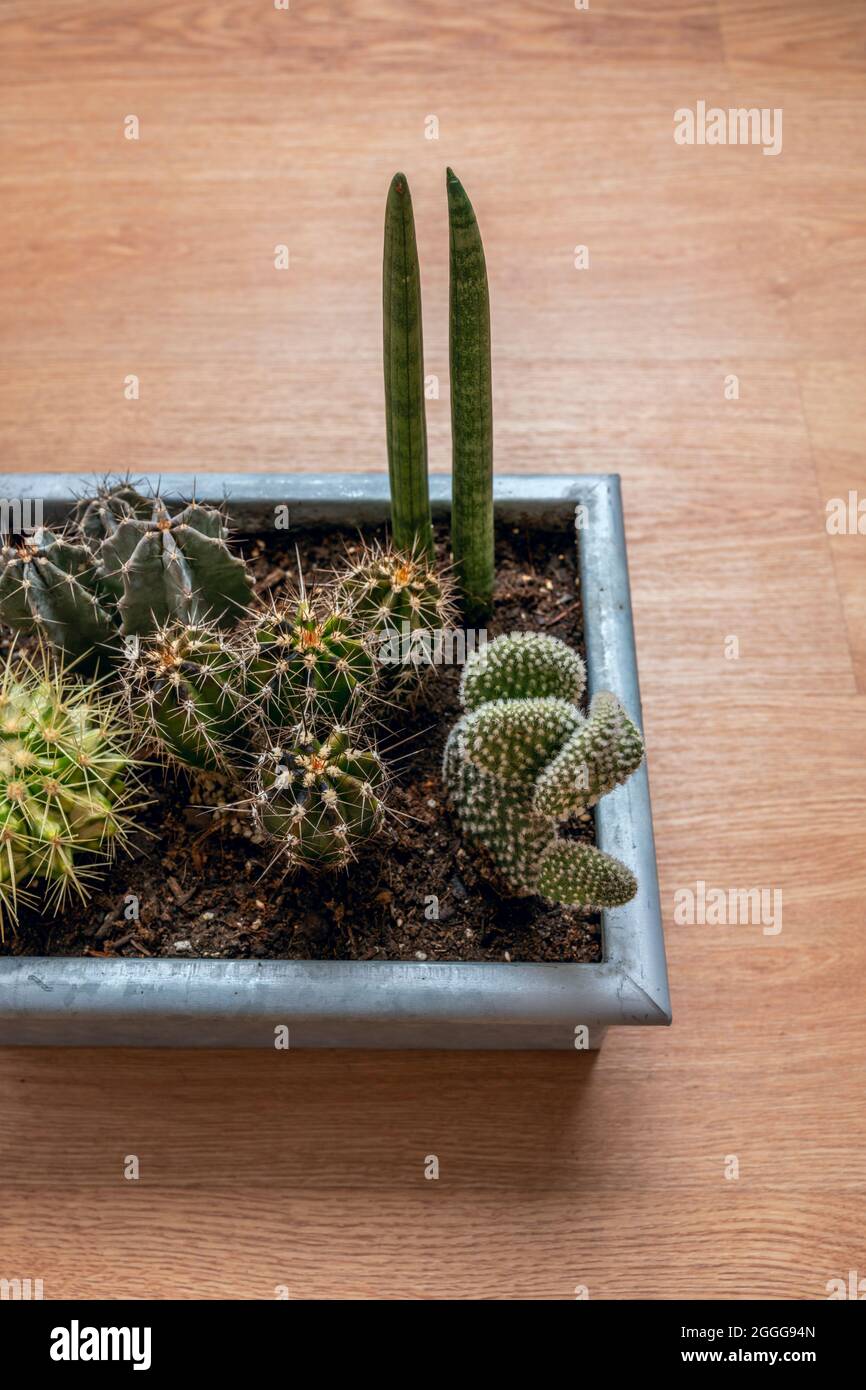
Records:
x=55, y=1001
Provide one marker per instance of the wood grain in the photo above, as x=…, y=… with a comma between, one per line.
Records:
x=155, y=257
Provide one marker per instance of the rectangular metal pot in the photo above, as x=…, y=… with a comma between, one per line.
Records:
x=55, y=1001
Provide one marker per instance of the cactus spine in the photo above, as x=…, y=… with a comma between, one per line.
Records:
x=524, y=757
x=306, y=661
x=97, y=517
x=471, y=407
x=183, y=691
x=406, y=604
x=318, y=797
x=66, y=786
x=176, y=566
x=51, y=585
x=127, y=565
x=405, y=418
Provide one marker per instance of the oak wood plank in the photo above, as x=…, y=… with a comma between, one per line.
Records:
x=155, y=257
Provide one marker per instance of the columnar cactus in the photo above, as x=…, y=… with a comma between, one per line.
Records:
x=318, y=797
x=66, y=786
x=405, y=420
x=523, y=664
x=306, y=661
x=472, y=536
x=183, y=691
x=51, y=585
x=176, y=566
x=523, y=758
x=404, y=602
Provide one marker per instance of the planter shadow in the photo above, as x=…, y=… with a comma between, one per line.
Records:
x=57, y=1001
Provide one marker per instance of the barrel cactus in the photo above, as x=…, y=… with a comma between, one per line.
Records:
x=306, y=661
x=184, y=696
x=166, y=566
x=67, y=786
x=524, y=757
x=51, y=585
x=318, y=796
x=405, y=602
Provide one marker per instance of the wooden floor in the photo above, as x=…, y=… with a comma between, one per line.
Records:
x=155, y=258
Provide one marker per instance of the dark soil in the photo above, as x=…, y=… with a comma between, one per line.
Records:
x=203, y=880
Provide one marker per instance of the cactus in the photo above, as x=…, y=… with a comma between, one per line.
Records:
x=51, y=585
x=66, y=783
x=523, y=758
x=306, y=661
x=126, y=565
x=471, y=407
x=521, y=665
x=95, y=518
x=402, y=600
x=183, y=692
x=406, y=425
x=317, y=798
x=168, y=567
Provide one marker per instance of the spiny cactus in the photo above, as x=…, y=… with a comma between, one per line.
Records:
x=520, y=665
x=125, y=565
x=95, y=518
x=595, y=758
x=318, y=798
x=66, y=785
x=404, y=601
x=524, y=757
x=183, y=691
x=306, y=661
x=175, y=567
x=51, y=585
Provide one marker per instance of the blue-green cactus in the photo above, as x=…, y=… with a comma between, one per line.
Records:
x=98, y=517
x=126, y=566
x=174, y=566
x=51, y=585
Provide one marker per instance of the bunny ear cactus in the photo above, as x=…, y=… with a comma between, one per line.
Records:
x=401, y=598
x=165, y=567
x=305, y=661
x=520, y=665
x=318, y=797
x=524, y=757
x=51, y=585
x=66, y=783
x=595, y=758
x=183, y=692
